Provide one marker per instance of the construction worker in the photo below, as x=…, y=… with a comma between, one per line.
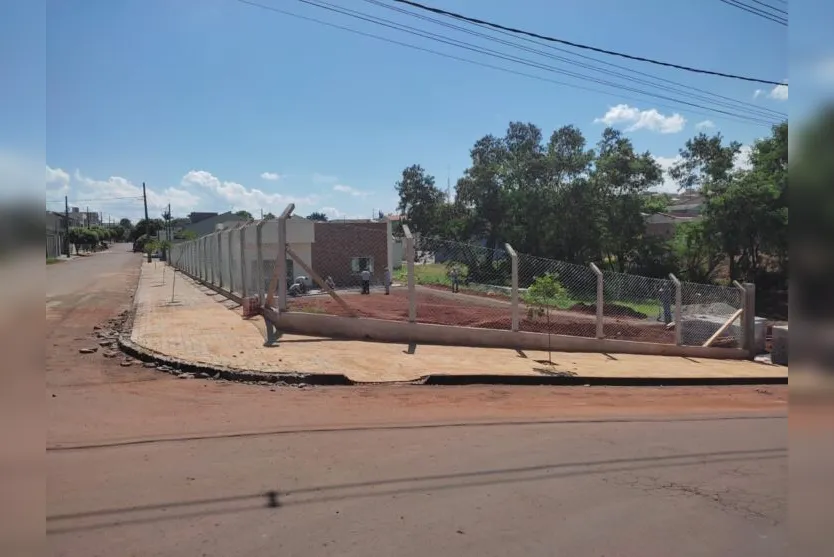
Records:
x=387, y=279
x=366, y=281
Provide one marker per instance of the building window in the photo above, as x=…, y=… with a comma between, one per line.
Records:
x=359, y=264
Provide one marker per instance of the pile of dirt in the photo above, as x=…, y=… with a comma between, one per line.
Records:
x=609, y=310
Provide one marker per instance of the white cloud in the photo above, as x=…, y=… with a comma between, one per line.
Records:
x=341, y=188
x=705, y=125
x=57, y=183
x=271, y=176
x=332, y=212
x=241, y=197
x=742, y=159
x=651, y=119
x=668, y=185
x=324, y=178
x=778, y=93
x=56, y=176
x=119, y=191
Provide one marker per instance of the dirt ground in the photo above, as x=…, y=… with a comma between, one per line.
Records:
x=444, y=308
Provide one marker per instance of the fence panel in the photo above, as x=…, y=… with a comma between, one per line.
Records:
x=705, y=308
x=638, y=308
x=250, y=258
x=556, y=297
x=461, y=284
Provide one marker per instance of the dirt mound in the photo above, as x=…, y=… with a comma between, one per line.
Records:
x=609, y=310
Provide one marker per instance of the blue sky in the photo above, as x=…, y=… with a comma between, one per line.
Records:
x=219, y=105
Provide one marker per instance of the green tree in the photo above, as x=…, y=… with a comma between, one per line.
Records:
x=317, y=216
x=696, y=255
x=745, y=214
x=269, y=216
x=622, y=177
x=244, y=214
x=705, y=163
x=420, y=200
x=146, y=228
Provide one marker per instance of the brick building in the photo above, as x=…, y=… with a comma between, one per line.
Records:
x=342, y=249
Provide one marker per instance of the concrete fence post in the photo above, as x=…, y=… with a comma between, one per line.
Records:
x=749, y=317
x=409, y=254
x=231, y=264
x=210, y=258
x=678, y=310
x=201, y=259
x=244, y=287
x=389, y=244
x=600, y=301
x=514, y=287
x=260, y=271
x=282, y=257
x=743, y=294
x=219, y=264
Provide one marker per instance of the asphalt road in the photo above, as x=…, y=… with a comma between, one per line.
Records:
x=141, y=463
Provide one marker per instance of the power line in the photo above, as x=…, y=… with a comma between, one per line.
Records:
x=768, y=6
x=731, y=103
x=756, y=11
x=757, y=117
x=584, y=46
x=94, y=200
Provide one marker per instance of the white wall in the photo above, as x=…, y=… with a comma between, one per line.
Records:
x=398, y=252
x=300, y=235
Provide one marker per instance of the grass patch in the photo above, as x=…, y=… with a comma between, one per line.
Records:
x=432, y=273
x=438, y=273
x=53, y=260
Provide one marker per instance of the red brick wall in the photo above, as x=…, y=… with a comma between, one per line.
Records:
x=337, y=243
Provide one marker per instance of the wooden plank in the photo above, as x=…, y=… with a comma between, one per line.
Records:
x=722, y=328
x=320, y=282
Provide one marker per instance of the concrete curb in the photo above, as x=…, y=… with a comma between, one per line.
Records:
x=578, y=380
x=177, y=366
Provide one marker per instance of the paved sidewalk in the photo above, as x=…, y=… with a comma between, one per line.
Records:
x=204, y=327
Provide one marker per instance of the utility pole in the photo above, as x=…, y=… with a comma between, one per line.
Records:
x=66, y=226
x=147, y=221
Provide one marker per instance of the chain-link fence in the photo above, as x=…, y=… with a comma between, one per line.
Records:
x=638, y=308
x=706, y=309
x=557, y=297
x=461, y=284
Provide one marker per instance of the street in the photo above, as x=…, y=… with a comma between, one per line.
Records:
x=142, y=463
